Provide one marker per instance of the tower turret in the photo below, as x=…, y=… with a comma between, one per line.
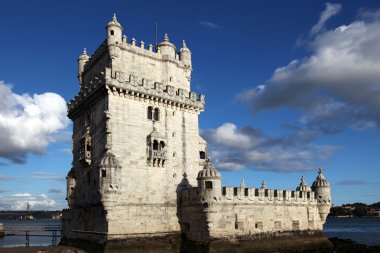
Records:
x=114, y=31
x=185, y=55
x=82, y=59
x=303, y=187
x=322, y=191
x=166, y=48
x=209, y=183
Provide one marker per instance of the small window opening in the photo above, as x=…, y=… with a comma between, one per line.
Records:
x=300, y=194
x=173, y=134
x=174, y=154
x=224, y=191
x=162, y=145
x=112, y=32
x=156, y=114
x=173, y=113
x=149, y=112
x=170, y=78
x=208, y=185
x=155, y=145
x=202, y=155
x=104, y=173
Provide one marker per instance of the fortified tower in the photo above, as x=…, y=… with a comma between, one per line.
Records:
x=135, y=139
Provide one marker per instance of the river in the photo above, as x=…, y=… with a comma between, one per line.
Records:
x=361, y=230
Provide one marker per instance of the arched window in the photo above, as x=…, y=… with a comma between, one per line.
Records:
x=149, y=112
x=156, y=114
x=155, y=145
x=162, y=145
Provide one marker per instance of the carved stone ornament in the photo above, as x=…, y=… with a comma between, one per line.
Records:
x=202, y=98
x=120, y=76
x=134, y=80
x=146, y=83
x=193, y=96
x=158, y=87
x=181, y=93
x=170, y=90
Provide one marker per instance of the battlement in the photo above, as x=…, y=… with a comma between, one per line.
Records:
x=253, y=195
x=132, y=86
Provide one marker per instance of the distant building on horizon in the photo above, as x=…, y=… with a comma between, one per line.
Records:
x=27, y=206
x=140, y=168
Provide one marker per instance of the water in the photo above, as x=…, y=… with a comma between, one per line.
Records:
x=14, y=241
x=361, y=230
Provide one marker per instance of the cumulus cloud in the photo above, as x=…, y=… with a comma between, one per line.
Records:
x=293, y=151
x=337, y=86
x=28, y=123
x=19, y=201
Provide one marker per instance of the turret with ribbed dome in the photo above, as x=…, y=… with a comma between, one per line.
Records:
x=166, y=48
x=185, y=55
x=82, y=59
x=322, y=191
x=114, y=31
x=209, y=183
x=303, y=187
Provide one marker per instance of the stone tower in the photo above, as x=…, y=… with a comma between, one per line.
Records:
x=135, y=139
x=322, y=191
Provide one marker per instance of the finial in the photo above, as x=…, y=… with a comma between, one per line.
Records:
x=166, y=37
x=302, y=179
x=320, y=171
x=84, y=51
x=263, y=185
x=114, y=17
x=242, y=184
x=184, y=175
x=183, y=44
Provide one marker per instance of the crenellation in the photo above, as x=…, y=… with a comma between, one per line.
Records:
x=140, y=167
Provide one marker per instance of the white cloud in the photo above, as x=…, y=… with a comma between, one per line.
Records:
x=337, y=86
x=293, y=151
x=19, y=201
x=28, y=123
x=331, y=10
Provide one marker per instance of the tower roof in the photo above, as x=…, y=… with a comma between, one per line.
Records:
x=320, y=181
x=166, y=42
x=184, y=47
x=109, y=160
x=114, y=22
x=208, y=171
x=84, y=55
x=303, y=187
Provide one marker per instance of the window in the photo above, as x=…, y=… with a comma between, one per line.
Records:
x=202, y=155
x=112, y=32
x=155, y=145
x=208, y=185
x=149, y=112
x=104, y=173
x=162, y=145
x=156, y=114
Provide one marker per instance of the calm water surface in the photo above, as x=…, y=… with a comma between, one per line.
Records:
x=361, y=230
x=15, y=240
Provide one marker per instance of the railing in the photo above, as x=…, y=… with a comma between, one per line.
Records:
x=53, y=231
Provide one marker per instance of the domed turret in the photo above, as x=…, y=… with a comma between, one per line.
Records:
x=114, y=31
x=110, y=179
x=303, y=187
x=185, y=55
x=209, y=183
x=322, y=191
x=166, y=48
x=82, y=59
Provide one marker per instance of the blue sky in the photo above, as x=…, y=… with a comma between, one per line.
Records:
x=290, y=86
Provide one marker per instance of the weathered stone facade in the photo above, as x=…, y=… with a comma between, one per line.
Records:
x=138, y=156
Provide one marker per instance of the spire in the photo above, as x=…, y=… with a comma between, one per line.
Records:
x=242, y=184
x=320, y=181
x=263, y=185
x=184, y=44
x=114, y=17
x=84, y=55
x=303, y=186
x=166, y=37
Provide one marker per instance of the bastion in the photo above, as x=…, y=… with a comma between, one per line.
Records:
x=140, y=168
